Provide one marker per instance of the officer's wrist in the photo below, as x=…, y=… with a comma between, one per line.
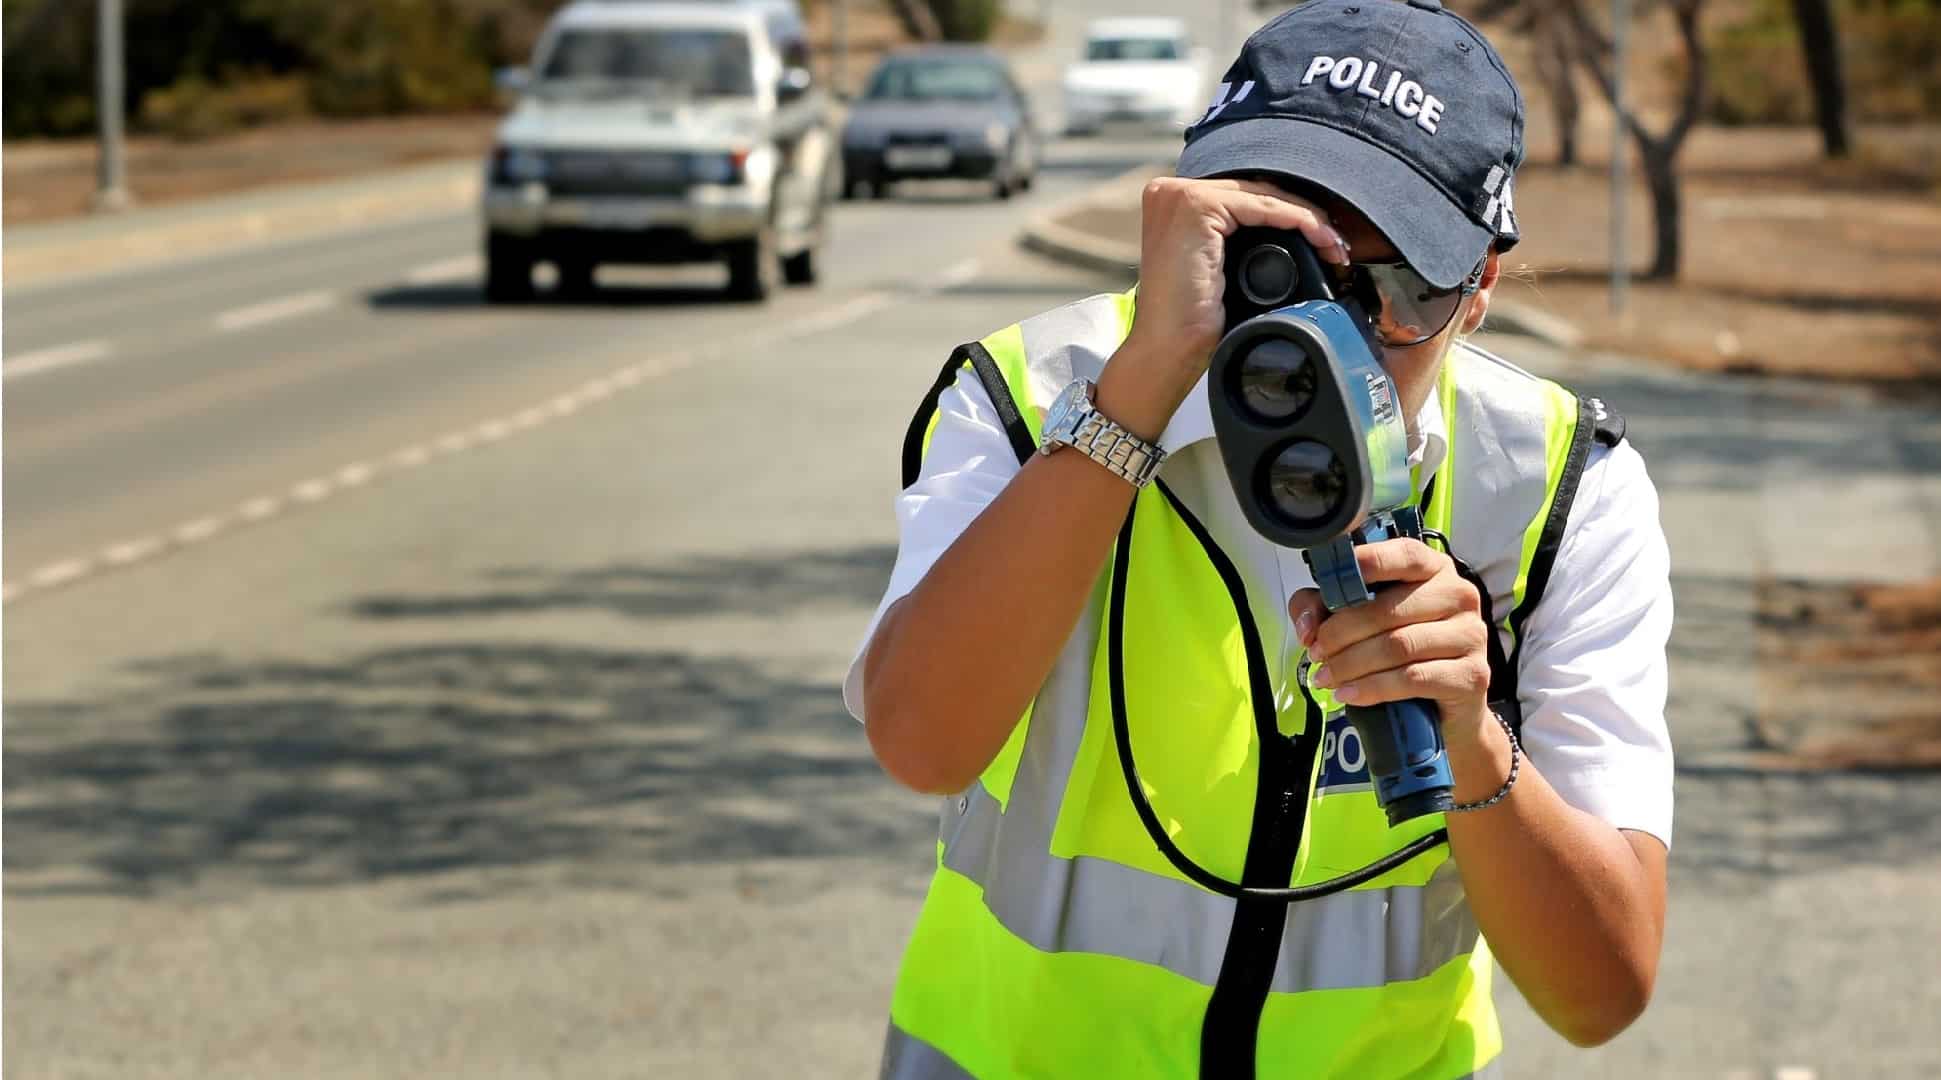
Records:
x=1479, y=752
x=1138, y=392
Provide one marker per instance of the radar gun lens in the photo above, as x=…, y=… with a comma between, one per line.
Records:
x=1276, y=380
x=1306, y=482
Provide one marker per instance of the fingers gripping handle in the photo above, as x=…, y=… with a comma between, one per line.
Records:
x=1403, y=739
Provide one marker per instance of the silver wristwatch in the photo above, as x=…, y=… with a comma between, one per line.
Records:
x=1072, y=421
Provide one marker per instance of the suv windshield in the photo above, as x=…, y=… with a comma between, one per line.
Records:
x=693, y=63
x=935, y=81
x=1132, y=49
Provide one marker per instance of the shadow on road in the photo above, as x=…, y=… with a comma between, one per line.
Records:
x=718, y=585
x=448, y=752
x=1726, y=433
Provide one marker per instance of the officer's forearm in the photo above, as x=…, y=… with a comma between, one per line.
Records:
x=953, y=664
x=1573, y=908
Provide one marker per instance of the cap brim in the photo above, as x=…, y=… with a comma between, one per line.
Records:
x=1434, y=235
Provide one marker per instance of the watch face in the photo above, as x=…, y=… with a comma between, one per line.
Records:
x=1063, y=406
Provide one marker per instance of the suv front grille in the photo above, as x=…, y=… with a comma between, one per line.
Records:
x=616, y=172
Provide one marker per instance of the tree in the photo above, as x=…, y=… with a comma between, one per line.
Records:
x=917, y=19
x=1819, y=40
x=1554, y=56
x=1657, y=151
x=1557, y=70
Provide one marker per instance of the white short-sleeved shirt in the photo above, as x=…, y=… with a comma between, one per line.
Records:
x=1593, y=670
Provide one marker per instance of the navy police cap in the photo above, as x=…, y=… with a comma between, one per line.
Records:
x=1401, y=109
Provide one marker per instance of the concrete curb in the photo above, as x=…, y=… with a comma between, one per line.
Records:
x=1049, y=235
x=37, y=255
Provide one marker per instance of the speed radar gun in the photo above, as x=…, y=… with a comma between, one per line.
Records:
x=1311, y=431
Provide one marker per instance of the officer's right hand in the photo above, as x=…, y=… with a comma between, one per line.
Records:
x=1184, y=226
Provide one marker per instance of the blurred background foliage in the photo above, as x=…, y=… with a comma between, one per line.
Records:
x=197, y=67
x=202, y=67
x=1890, y=52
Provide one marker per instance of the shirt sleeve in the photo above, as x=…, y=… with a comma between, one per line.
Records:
x=1593, y=670
x=969, y=462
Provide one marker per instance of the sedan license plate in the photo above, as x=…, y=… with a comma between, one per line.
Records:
x=917, y=157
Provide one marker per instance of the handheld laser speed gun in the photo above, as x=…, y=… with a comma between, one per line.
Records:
x=1310, y=427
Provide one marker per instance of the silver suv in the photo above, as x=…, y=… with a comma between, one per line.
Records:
x=651, y=131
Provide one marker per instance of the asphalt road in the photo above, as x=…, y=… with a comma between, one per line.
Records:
x=450, y=690
x=396, y=686
x=401, y=687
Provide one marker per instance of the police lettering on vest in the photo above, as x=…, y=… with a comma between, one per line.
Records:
x=1397, y=91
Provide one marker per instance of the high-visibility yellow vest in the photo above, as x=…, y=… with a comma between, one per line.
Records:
x=1057, y=941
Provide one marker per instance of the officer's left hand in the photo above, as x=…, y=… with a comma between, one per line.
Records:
x=1421, y=637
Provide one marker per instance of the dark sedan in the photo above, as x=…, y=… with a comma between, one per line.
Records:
x=937, y=113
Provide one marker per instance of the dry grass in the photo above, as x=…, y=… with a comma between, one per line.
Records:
x=1871, y=651
x=46, y=179
x=1793, y=264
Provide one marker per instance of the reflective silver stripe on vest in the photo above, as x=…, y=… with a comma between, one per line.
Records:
x=1363, y=938
x=1357, y=939
x=906, y=1057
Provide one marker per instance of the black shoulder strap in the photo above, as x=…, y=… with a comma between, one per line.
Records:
x=1596, y=422
x=979, y=358
x=1593, y=420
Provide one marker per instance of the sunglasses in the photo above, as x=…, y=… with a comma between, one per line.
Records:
x=1403, y=308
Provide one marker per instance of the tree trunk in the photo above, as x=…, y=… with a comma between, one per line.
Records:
x=1657, y=151
x=1660, y=165
x=917, y=19
x=1554, y=69
x=1819, y=39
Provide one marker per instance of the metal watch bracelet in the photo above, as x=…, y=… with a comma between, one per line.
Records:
x=1129, y=457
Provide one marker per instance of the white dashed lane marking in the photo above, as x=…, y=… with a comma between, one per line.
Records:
x=358, y=474
x=33, y=363
x=259, y=509
x=59, y=573
x=310, y=491
x=199, y=529
x=269, y=311
x=131, y=551
x=958, y=274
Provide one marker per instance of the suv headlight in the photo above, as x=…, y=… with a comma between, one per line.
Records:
x=721, y=168
x=513, y=165
x=997, y=136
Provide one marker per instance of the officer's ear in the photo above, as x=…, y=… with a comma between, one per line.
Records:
x=1479, y=303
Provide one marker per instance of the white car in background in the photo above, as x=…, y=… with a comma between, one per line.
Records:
x=1143, y=70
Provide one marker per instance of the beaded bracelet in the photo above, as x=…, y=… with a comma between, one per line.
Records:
x=1516, y=754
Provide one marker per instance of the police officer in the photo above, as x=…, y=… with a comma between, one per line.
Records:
x=1072, y=557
